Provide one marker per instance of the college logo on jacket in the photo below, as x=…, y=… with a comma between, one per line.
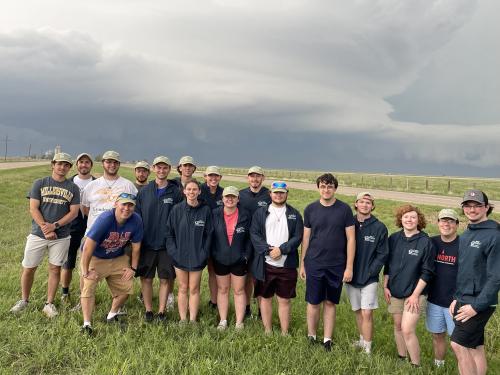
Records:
x=240, y=230
x=199, y=223
x=413, y=252
x=370, y=239
x=168, y=200
x=292, y=217
x=262, y=203
x=476, y=244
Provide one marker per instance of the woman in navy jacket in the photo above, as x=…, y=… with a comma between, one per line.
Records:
x=231, y=248
x=189, y=232
x=408, y=270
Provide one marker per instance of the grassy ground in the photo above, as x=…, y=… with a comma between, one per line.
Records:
x=31, y=344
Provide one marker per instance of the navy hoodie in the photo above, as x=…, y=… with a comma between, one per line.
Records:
x=213, y=200
x=372, y=250
x=240, y=248
x=478, y=278
x=261, y=247
x=154, y=211
x=189, y=235
x=410, y=259
x=251, y=201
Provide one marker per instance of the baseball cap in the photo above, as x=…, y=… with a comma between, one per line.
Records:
x=279, y=186
x=142, y=164
x=231, y=190
x=84, y=154
x=187, y=160
x=364, y=194
x=447, y=213
x=213, y=169
x=256, y=169
x=162, y=159
x=126, y=198
x=62, y=156
x=111, y=155
x=474, y=195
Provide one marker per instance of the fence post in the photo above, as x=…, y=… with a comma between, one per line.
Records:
x=449, y=186
x=390, y=183
x=426, y=185
x=407, y=184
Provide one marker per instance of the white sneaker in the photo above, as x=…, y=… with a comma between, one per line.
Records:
x=50, y=310
x=222, y=325
x=239, y=326
x=170, y=302
x=358, y=344
x=122, y=311
x=19, y=306
x=76, y=308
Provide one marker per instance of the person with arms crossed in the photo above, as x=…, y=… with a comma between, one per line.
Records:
x=327, y=258
x=230, y=252
x=409, y=268
x=478, y=283
x=371, y=254
x=154, y=204
x=442, y=286
x=276, y=234
x=189, y=235
x=104, y=257
x=54, y=202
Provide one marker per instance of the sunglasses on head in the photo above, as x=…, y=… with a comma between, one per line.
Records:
x=127, y=196
x=279, y=185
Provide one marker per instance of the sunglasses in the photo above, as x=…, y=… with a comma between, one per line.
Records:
x=127, y=196
x=279, y=185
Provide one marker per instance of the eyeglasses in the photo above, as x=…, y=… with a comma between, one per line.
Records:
x=471, y=206
x=127, y=196
x=279, y=185
x=111, y=161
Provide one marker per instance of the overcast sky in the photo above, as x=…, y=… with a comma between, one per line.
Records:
x=373, y=86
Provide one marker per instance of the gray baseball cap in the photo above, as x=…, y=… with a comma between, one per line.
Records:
x=111, y=155
x=84, y=154
x=474, y=195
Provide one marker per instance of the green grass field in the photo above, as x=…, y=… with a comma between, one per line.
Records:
x=31, y=344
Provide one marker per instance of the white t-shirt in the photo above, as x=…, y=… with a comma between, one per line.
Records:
x=276, y=232
x=81, y=183
x=100, y=195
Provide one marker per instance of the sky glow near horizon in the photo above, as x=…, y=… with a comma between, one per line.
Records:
x=374, y=86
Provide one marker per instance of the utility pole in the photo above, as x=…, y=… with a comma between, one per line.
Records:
x=7, y=140
x=29, y=152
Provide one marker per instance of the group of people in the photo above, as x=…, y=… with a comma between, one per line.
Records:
x=250, y=240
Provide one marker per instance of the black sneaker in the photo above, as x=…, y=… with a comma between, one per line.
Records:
x=312, y=340
x=328, y=345
x=149, y=316
x=87, y=330
x=161, y=317
x=212, y=305
x=114, y=319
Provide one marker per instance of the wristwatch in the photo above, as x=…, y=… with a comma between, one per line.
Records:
x=57, y=225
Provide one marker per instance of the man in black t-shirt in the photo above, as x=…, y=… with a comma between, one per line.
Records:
x=328, y=249
x=441, y=288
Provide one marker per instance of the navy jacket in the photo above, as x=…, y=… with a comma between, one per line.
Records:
x=372, y=250
x=189, y=235
x=154, y=211
x=213, y=200
x=261, y=247
x=478, y=278
x=410, y=259
x=240, y=248
x=253, y=201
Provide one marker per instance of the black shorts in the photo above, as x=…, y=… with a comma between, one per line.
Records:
x=236, y=269
x=74, y=245
x=152, y=261
x=279, y=280
x=470, y=334
x=324, y=285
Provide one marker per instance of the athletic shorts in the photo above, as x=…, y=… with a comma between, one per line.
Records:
x=470, y=334
x=236, y=269
x=324, y=285
x=112, y=271
x=278, y=280
x=74, y=245
x=36, y=247
x=152, y=262
x=438, y=319
x=398, y=305
x=365, y=298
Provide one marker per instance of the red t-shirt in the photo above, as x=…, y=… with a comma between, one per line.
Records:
x=231, y=221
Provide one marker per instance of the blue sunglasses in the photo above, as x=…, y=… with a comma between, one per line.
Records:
x=127, y=196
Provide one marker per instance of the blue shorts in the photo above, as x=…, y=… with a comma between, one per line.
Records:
x=438, y=319
x=323, y=285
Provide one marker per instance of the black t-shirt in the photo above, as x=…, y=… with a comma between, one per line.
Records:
x=442, y=286
x=328, y=242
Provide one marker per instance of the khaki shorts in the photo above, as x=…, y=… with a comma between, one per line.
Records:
x=36, y=247
x=112, y=271
x=398, y=305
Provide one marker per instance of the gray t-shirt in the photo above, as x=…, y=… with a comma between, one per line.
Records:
x=55, y=199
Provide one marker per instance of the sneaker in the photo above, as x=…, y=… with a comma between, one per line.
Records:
x=222, y=325
x=212, y=305
x=76, y=308
x=19, y=306
x=170, y=302
x=312, y=340
x=149, y=316
x=161, y=317
x=328, y=345
x=65, y=300
x=122, y=311
x=239, y=326
x=87, y=330
x=358, y=344
x=49, y=310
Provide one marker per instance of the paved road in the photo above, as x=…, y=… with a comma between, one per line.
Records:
x=436, y=200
